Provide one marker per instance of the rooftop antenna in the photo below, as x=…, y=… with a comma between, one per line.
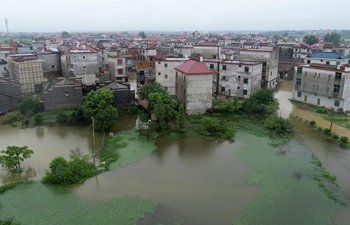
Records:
x=7, y=27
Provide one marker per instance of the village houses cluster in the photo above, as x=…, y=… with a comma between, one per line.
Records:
x=192, y=67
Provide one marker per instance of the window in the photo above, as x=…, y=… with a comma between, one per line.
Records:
x=321, y=60
x=336, y=88
x=238, y=87
x=264, y=63
x=271, y=73
x=223, y=67
x=83, y=57
x=165, y=64
x=176, y=74
x=245, y=92
x=299, y=94
x=245, y=81
x=159, y=73
x=298, y=81
x=214, y=56
x=222, y=89
x=240, y=65
x=327, y=62
x=246, y=69
x=336, y=103
x=66, y=93
x=166, y=76
x=120, y=61
x=308, y=62
x=299, y=70
x=223, y=77
x=120, y=71
x=338, y=76
x=158, y=62
x=53, y=66
x=211, y=66
x=84, y=67
x=166, y=88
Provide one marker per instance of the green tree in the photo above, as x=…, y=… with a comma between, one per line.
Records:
x=38, y=119
x=164, y=107
x=310, y=39
x=14, y=155
x=142, y=34
x=258, y=101
x=98, y=104
x=150, y=88
x=181, y=119
x=333, y=37
x=65, y=34
x=29, y=106
x=75, y=170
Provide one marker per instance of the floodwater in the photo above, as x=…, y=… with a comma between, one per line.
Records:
x=193, y=180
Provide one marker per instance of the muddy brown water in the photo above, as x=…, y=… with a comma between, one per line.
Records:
x=193, y=180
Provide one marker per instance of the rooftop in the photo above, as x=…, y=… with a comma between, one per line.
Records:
x=192, y=67
x=327, y=55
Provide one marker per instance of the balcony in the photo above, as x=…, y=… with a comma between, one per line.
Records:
x=335, y=95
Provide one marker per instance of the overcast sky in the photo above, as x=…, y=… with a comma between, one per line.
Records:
x=173, y=15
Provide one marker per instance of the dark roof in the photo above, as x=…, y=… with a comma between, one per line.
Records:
x=327, y=55
x=116, y=86
x=2, y=62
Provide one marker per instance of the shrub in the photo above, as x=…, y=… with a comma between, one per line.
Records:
x=217, y=128
x=320, y=129
x=13, y=117
x=321, y=110
x=133, y=110
x=228, y=108
x=327, y=131
x=38, y=119
x=30, y=106
x=62, y=118
x=335, y=137
x=69, y=172
x=144, y=117
x=278, y=125
x=312, y=123
x=344, y=139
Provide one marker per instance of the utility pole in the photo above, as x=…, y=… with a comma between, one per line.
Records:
x=330, y=128
x=93, y=136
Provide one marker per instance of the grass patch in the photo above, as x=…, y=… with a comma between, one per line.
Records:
x=39, y=204
x=50, y=118
x=130, y=148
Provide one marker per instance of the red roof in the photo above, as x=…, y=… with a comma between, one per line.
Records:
x=154, y=38
x=192, y=67
x=4, y=45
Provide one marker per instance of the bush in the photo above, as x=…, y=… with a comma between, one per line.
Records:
x=312, y=123
x=278, y=125
x=321, y=110
x=228, y=108
x=344, y=139
x=38, y=119
x=133, y=110
x=144, y=117
x=320, y=129
x=62, y=118
x=13, y=117
x=69, y=172
x=30, y=106
x=335, y=137
x=217, y=128
x=327, y=131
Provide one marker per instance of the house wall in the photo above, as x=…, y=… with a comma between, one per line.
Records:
x=165, y=75
x=318, y=83
x=29, y=74
x=82, y=63
x=234, y=81
x=270, y=76
x=208, y=52
x=333, y=62
x=9, y=95
x=51, y=62
x=123, y=99
x=62, y=97
x=194, y=92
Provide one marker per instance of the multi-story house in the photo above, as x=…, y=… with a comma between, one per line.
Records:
x=327, y=58
x=80, y=62
x=208, y=50
x=165, y=73
x=269, y=58
x=323, y=85
x=27, y=70
x=145, y=72
x=240, y=78
x=301, y=50
x=121, y=67
x=194, y=86
x=51, y=62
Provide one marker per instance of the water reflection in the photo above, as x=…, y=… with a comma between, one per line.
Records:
x=26, y=175
x=40, y=132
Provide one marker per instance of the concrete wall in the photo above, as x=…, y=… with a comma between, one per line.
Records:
x=208, y=52
x=166, y=75
x=318, y=83
x=82, y=63
x=333, y=62
x=123, y=99
x=194, y=92
x=9, y=95
x=51, y=62
x=62, y=97
x=234, y=81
